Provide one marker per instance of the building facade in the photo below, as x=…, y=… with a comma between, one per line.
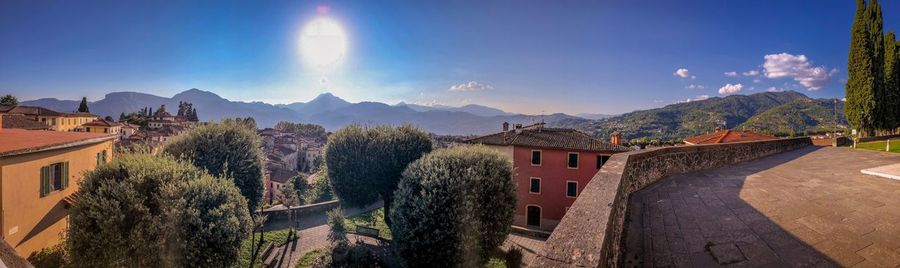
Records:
x=551, y=167
x=39, y=172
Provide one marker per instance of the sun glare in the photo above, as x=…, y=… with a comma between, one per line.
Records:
x=323, y=43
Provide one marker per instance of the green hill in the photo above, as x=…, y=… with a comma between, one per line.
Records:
x=775, y=112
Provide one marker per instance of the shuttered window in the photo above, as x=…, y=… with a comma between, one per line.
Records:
x=54, y=177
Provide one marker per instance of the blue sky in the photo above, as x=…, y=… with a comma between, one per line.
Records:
x=523, y=56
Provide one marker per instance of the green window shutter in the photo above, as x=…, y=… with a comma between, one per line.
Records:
x=65, y=174
x=45, y=180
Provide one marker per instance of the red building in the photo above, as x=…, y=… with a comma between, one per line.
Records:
x=727, y=136
x=551, y=167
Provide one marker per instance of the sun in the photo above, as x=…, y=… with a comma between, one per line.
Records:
x=323, y=43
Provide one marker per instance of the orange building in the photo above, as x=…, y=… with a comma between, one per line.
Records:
x=102, y=126
x=38, y=171
x=551, y=168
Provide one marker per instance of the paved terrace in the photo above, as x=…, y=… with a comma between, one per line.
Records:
x=807, y=207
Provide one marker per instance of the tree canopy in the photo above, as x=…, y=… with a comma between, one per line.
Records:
x=142, y=210
x=453, y=207
x=364, y=164
x=872, y=90
x=228, y=149
x=9, y=100
x=83, y=106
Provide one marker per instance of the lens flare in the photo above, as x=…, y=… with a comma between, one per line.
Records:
x=323, y=44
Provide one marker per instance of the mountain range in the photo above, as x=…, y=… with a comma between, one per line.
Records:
x=326, y=109
x=780, y=113
x=786, y=112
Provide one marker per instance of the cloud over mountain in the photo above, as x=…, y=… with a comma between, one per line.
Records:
x=799, y=68
x=470, y=86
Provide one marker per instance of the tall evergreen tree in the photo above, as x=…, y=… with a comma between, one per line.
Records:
x=892, y=80
x=122, y=117
x=860, y=88
x=875, y=26
x=83, y=107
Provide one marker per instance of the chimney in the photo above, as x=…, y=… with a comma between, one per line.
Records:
x=718, y=129
x=615, y=138
x=518, y=128
x=505, y=126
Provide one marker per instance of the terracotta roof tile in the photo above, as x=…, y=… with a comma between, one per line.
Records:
x=101, y=123
x=80, y=114
x=19, y=141
x=537, y=136
x=281, y=175
x=33, y=110
x=22, y=122
x=728, y=136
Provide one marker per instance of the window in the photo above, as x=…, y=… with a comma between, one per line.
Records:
x=573, y=160
x=105, y=130
x=534, y=215
x=101, y=157
x=87, y=129
x=54, y=177
x=601, y=160
x=535, y=186
x=535, y=158
x=53, y=121
x=571, y=189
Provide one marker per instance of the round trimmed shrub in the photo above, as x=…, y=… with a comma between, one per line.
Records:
x=229, y=149
x=151, y=211
x=453, y=207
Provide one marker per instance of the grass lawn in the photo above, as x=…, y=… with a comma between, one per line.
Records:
x=307, y=260
x=879, y=145
x=365, y=219
x=279, y=238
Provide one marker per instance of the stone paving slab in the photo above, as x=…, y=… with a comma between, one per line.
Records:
x=888, y=171
x=808, y=207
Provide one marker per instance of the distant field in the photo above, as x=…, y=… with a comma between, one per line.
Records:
x=879, y=146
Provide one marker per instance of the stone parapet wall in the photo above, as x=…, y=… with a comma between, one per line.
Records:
x=590, y=235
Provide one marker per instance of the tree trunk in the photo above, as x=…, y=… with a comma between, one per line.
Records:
x=387, y=210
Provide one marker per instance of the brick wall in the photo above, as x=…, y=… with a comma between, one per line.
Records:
x=590, y=235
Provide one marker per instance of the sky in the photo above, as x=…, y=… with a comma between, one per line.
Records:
x=521, y=56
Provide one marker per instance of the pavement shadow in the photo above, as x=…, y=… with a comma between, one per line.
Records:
x=700, y=219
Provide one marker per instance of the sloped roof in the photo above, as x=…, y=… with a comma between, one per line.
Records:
x=33, y=110
x=20, y=141
x=281, y=175
x=728, y=136
x=80, y=114
x=537, y=136
x=6, y=108
x=101, y=123
x=22, y=122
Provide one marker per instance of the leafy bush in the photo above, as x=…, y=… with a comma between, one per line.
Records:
x=50, y=257
x=147, y=211
x=230, y=149
x=453, y=207
x=366, y=163
x=338, y=229
x=320, y=190
x=514, y=257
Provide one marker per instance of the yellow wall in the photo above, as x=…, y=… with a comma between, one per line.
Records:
x=31, y=222
x=71, y=123
x=108, y=130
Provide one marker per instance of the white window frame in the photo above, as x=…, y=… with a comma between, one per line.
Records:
x=540, y=185
x=531, y=158
x=567, y=189
x=577, y=159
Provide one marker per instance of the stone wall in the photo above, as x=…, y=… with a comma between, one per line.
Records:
x=880, y=138
x=590, y=235
x=300, y=211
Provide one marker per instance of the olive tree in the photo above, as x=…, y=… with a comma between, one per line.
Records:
x=229, y=149
x=155, y=211
x=453, y=206
x=364, y=164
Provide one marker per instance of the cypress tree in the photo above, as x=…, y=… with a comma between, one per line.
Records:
x=875, y=26
x=860, y=87
x=83, y=107
x=892, y=81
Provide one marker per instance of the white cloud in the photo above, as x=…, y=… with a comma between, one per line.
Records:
x=799, y=68
x=696, y=86
x=731, y=74
x=698, y=98
x=470, y=86
x=751, y=73
x=756, y=80
x=683, y=73
x=729, y=89
x=774, y=89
